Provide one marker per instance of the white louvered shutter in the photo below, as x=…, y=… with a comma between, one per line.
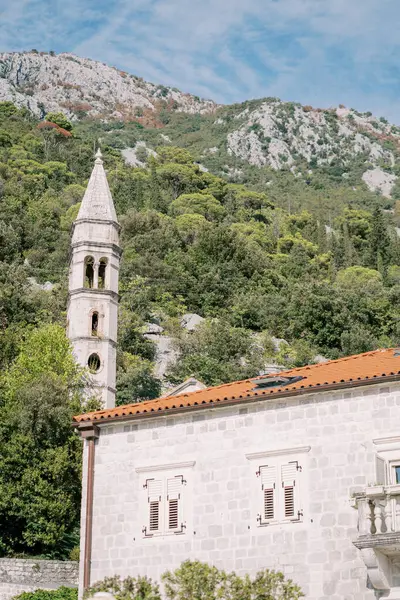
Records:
x=154, y=497
x=268, y=481
x=381, y=471
x=290, y=491
x=174, y=504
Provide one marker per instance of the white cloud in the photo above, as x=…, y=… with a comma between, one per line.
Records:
x=316, y=51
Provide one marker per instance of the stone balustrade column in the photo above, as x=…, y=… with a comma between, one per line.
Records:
x=96, y=275
x=397, y=514
x=378, y=517
x=364, y=523
x=389, y=514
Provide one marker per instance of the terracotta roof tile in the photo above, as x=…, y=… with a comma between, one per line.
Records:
x=344, y=372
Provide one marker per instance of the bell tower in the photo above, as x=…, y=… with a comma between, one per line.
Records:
x=93, y=284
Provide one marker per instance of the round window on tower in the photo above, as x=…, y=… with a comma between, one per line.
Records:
x=94, y=363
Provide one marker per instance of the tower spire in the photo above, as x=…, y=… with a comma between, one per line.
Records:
x=97, y=202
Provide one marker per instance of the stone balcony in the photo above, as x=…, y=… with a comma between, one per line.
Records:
x=379, y=512
x=379, y=536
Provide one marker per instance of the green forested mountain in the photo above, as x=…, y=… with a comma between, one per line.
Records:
x=247, y=254
x=256, y=250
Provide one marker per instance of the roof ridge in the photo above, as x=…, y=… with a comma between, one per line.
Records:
x=385, y=364
x=338, y=360
x=186, y=394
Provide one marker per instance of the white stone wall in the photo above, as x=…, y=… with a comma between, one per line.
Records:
x=318, y=554
x=96, y=232
x=18, y=575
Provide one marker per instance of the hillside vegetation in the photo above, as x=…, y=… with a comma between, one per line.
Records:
x=194, y=241
x=256, y=250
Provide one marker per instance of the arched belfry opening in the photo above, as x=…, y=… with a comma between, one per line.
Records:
x=102, y=273
x=95, y=324
x=88, y=281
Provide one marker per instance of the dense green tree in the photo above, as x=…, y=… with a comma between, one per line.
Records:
x=200, y=204
x=39, y=453
x=173, y=154
x=7, y=109
x=180, y=179
x=59, y=119
x=359, y=280
x=216, y=353
x=136, y=381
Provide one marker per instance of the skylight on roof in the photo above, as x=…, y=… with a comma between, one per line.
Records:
x=275, y=381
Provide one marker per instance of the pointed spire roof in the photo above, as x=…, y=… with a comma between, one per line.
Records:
x=97, y=202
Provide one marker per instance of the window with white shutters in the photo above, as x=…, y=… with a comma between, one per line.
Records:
x=174, y=503
x=280, y=499
x=267, y=474
x=290, y=483
x=164, y=506
x=154, y=499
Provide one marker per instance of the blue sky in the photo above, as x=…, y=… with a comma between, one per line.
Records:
x=318, y=52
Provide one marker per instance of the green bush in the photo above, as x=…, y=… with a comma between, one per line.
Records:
x=194, y=580
x=75, y=553
x=63, y=593
x=130, y=588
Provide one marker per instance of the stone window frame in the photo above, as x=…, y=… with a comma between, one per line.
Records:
x=101, y=368
x=99, y=323
x=387, y=456
x=276, y=458
x=158, y=479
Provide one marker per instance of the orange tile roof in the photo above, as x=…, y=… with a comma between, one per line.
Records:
x=360, y=369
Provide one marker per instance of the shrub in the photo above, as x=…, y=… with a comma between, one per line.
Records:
x=62, y=593
x=130, y=588
x=75, y=553
x=194, y=580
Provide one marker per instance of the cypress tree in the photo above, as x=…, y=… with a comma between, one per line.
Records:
x=155, y=194
x=378, y=248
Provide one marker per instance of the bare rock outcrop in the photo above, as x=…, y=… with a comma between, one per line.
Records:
x=48, y=82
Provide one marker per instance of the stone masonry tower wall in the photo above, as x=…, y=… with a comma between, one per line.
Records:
x=93, y=284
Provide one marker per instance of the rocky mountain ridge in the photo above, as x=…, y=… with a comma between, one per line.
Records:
x=45, y=82
x=277, y=133
x=287, y=135
x=280, y=136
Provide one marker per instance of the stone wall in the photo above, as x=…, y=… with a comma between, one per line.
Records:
x=337, y=428
x=18, y=575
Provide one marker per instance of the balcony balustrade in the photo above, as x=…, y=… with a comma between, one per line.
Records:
x=379, y=510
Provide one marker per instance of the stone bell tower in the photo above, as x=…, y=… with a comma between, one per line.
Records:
x=93, y=284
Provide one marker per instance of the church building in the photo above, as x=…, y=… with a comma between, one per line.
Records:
x=297, y=471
